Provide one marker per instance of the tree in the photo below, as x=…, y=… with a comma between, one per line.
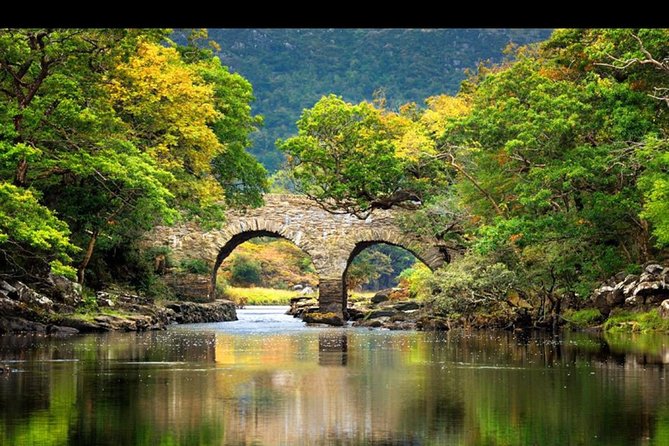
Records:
x=114, y=133
x=367, y=266
x=32, y=239
x=360, y=157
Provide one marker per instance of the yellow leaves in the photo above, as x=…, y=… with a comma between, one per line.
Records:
x=169, y=107
x=441, y=111
x=409, y=137
x=413, y=144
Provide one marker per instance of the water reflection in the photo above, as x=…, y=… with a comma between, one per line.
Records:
x=217, y=386
x=332, y=348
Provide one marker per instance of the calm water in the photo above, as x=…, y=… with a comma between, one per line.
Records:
x=268, y=380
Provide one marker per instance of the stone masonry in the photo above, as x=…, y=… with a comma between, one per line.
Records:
x=331, y=239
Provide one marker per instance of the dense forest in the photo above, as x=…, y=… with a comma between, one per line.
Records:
x=548, y=171
x=290, y=69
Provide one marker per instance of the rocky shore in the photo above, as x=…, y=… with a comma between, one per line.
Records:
x=389, y=309
x=55, y=308
x=644, y=291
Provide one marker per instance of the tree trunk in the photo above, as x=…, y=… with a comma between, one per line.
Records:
x=87, y=256
x=21, y=173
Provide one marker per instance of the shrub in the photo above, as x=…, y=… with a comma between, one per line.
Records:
x=471, y=283
x=587, y=317
x=245, y=271
x=195, y=266
x=415, y=279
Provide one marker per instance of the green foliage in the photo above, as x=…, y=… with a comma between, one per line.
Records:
x=344, y=152
x=549, y=159
x=305, y=264
x=32, y=238
x=291, y=68
x=416, y=279
x=245, y=271
x=113, y=132
x=366, y=267
x=654, y=184
x=471, y=283
x=587, y=317
x=195, y=266
x=636, y=322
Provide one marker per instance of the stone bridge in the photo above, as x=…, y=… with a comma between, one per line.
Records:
x=332, y=240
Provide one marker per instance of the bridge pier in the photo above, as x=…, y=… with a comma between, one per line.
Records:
x=331, y=296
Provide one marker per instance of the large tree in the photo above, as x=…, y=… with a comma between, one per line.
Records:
x=114, y=132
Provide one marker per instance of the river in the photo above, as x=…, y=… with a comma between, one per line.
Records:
x=268, y=380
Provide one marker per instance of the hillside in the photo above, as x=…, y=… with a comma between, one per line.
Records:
x=290, y=69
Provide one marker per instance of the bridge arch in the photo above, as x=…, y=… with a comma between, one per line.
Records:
x=245, y=231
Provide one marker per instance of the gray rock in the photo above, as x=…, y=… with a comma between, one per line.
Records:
x=406, y=306
x=664, y=309
x=381, y=296
x=374, y=314
x=103, y=302
x=307, y=291
x=65, y=290
x=653, y=268
x=7, y=288
x=297, y=287
x=32, y=298
x=323, y=318
x=58, y=330
x=632, y=301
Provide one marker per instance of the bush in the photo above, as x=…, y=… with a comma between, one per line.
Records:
x=416, y=280
x=245, y=271
x=471, y=283
x=195, y=266
x=623, y=321
x=588, y=317
x=306, y=265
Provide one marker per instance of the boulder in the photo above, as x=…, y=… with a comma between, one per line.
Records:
x=323, y=318
x=355, y=314
x=307, y=291
x=297, y=287
x=32, y=298
x=65, y=291
x=374, y=314
x=434, y=323
x=664, y=309
x=192, y=312
x=406, y=306
x=649, y=288
x=105, y=302
x=58, y=330
x=381, y=296
x=7, y=288
x=653, y=268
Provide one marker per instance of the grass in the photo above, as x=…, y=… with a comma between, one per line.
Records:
x=588, y=317
x=636, y=322
x=361, y=296
x=260, y=296
x=273, y=296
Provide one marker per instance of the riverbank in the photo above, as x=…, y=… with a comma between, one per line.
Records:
x=60, y=307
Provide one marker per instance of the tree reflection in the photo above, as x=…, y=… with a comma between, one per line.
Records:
x=194, y=388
